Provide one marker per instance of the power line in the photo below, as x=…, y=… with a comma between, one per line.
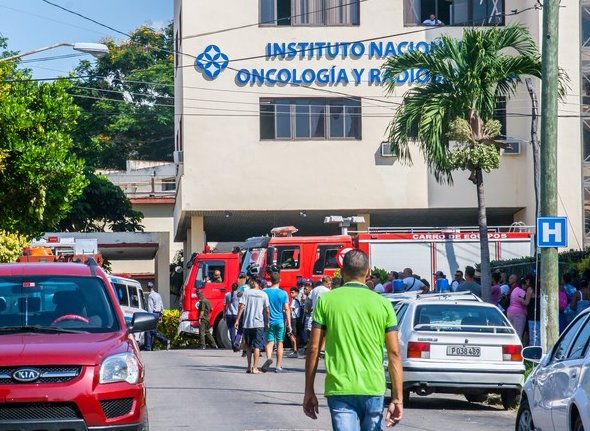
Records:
x=286, y=18
x=50, y=58
x=86, y=18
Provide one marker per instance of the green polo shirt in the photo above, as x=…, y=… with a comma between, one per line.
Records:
x=355, y=320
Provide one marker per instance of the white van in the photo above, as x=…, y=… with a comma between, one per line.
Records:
x=130, y=295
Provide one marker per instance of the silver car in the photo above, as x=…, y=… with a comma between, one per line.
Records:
x=556, y=395
x=455, y=343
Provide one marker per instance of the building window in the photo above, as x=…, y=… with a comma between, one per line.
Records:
x=309, y=12
x=455, y=12
x=305, y=119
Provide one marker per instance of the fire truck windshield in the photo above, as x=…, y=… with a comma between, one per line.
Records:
x=254, y=258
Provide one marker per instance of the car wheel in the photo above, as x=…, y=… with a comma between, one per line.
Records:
x=524, y=418
x=578, y=425
x=476, y=398
x=222, y=334
x=510, y=399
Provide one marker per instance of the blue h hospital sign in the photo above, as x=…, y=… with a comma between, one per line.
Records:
x=551, y=232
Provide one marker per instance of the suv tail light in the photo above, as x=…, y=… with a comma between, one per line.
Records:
x=418, y=349
x=512, y=352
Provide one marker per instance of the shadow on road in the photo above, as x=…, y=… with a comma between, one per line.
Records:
x=431, y=403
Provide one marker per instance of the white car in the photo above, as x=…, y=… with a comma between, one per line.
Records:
x=455, y=343
x=556, y=395
x=131, y=299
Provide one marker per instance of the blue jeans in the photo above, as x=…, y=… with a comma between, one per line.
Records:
x=356, y=412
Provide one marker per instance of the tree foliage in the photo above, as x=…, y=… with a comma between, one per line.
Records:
x=11, y=245
x=102, y=205
x=126, y=101
x=466, y=78
x=40, y=177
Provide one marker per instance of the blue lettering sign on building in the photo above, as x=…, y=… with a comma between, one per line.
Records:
x=212, y=61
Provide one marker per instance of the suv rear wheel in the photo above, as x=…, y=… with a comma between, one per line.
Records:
x=510, y=399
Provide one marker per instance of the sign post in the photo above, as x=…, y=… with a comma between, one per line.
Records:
x=551, y=234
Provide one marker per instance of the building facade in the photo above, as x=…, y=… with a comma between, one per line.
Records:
x=281, y=118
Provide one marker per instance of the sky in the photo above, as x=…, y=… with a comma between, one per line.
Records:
x=31, y=24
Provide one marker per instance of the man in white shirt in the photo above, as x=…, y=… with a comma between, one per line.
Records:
x=376, y=279
x=155, y=306
x=433, y=20
x=319, y=290
x=411, y=283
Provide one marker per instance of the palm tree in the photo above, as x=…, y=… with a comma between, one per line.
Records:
x=466, y=79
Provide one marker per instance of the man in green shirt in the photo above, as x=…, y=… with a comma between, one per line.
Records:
x=356, y=323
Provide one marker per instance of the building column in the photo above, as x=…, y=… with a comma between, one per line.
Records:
x=363, y=227
x=162, y=267
x=197, y=234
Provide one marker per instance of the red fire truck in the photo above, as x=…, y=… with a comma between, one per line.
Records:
x=424, y=250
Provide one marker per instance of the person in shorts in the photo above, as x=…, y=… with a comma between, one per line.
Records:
x=280, y=314
x=356, y=323
x=254, y=309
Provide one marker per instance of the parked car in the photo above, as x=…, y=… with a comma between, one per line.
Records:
x=131, y=299
x=455, y=343
x=556, y=395
x=68, y=360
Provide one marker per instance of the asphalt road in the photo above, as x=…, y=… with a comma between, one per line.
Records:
x=210, y=390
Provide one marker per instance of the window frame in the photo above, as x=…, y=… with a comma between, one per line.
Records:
x=275, y=23
x=328, y=103
x=407, y=6
x=572, y=327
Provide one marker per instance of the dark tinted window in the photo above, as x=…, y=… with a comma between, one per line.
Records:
x=460, y=318
x=121, y=292
x=580, y=346
x=566, y=340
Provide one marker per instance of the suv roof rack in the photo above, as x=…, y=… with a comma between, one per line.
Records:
x=91, y=262
x=450, y=295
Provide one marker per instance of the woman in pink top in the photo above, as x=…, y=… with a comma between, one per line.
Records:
x=517, y=311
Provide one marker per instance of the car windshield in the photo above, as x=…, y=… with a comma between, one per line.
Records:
x=55, y=304
x=460, y=318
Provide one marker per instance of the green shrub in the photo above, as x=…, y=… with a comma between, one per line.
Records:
x=381, y=272
x=11, y=245
x=168, y=326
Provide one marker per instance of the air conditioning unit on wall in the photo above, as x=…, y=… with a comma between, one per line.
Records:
x=513, y=148
x=386, y=150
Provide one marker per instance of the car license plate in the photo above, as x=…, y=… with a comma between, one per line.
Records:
x=463, y=351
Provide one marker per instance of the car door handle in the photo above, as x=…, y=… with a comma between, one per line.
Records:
x=223, y=289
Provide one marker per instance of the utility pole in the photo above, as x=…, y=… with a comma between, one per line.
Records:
x=549, y=100
x=535, y=143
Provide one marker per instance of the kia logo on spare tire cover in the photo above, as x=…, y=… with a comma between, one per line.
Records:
x=26, y=375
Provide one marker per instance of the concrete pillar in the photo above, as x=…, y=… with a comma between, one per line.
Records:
x=197, y=234
x=363, y=227
x=162, y=267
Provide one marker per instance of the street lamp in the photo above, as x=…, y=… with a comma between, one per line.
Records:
x=95, y=49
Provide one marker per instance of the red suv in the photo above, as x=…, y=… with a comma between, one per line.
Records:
x=68, y=361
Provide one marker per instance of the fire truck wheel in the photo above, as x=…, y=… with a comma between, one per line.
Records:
x=222, y=334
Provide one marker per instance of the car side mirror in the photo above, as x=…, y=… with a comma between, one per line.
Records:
x=533, y=354
x=142, y=322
